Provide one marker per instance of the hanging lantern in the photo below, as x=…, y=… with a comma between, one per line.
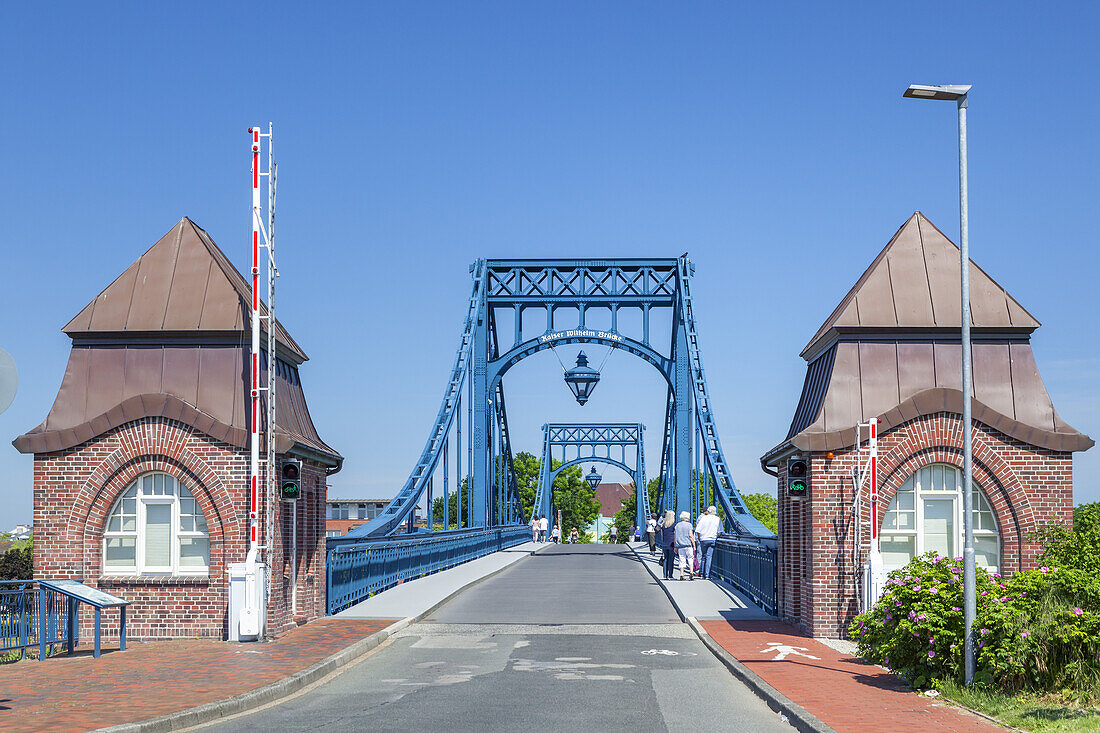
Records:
x=582, y=379
x=593, y=478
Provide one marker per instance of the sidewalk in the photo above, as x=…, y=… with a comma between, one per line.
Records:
x=840, y=690
x=699, y=599
x=199, y=678
x=155, y=678
x=801, y=675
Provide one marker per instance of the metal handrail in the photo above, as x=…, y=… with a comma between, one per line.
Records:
x=748, y=566
x=358, y=568
x=23, y=625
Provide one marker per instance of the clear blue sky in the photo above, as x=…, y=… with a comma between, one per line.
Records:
x=769, y=140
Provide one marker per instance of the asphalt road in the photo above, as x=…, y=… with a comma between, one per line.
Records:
x=577, y=637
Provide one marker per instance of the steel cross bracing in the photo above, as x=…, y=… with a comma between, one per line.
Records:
x=616, y=444
x=692, y=459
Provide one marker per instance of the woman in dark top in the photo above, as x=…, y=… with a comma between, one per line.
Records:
x=666, y=538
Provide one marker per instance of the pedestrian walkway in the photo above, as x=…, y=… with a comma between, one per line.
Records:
x=415, y=597
x=841, y=690
x=837, y=689
x=156, y=678
x=698, y=599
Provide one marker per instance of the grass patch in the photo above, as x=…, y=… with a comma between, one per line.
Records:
x=1031, y=712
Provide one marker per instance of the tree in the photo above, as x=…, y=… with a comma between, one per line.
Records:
x=765, y=508
x=626, y=517
x=1076, y=546
x=527, y=468
x=452, y=509
x=574, y=498
x=16, y=564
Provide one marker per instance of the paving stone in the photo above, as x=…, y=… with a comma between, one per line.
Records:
x=150, y=679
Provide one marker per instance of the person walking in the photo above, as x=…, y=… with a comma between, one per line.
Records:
x=535, y=528
x=706, y=529
x=555, y=534
x=651, y=533
x=667, y=541
x=544, y=525
x=614, y=535
x=573, y=536
x=684, y=538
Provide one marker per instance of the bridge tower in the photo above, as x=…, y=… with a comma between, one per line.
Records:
x=616, y=444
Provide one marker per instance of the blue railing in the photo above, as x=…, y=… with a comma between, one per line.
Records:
x=46, y=613
x=748, y=566
x=33, y=616
x=359, y=568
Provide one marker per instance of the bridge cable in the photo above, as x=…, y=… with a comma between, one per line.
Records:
x=563, y=367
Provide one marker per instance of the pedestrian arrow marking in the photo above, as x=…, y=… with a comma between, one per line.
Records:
x=782, y=651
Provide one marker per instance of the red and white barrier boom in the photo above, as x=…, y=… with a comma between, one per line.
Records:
x=251, y=619
x=867, y=474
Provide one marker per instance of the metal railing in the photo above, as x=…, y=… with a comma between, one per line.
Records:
x=359, y=568
x=748, y=566
x=35, y=616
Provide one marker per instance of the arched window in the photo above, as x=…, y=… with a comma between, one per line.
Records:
x=156, y=528
x=926, y=515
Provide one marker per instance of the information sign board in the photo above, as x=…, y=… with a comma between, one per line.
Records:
x=87, y=594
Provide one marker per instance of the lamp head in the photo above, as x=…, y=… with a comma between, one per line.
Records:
x=950, y=92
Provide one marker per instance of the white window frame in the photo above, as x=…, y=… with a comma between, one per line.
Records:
x=140, y=568
x=920, y=493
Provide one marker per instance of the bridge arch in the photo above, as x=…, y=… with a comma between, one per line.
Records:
x=593, y=459
x=500, y=366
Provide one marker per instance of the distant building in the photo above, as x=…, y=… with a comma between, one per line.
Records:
x=611, y=497
x=20, y=532
x=141, y=467
x=344, y=515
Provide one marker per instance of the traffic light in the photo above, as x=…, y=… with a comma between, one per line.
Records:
x=797, y=482
x=291, y=485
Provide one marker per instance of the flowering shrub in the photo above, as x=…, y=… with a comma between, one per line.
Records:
x=916, y=627
x=1041, y=631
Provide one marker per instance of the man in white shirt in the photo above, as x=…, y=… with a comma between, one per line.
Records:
x=544, y=524
x=706, y=529
x=651, y=534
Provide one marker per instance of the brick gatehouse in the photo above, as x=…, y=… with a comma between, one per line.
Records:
x=141, y=466
x=891, y=350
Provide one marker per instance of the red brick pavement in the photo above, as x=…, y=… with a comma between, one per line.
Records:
x=149, y=679
x=840, y=690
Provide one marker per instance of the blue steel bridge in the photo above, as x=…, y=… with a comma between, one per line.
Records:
x=470, y=440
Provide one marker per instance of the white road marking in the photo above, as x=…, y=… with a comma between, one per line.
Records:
x=784, y=650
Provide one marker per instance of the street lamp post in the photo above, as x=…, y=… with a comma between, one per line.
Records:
x=957, y=93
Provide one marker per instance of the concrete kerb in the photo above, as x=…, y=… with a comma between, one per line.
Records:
x=315, y=673
x=796, y=715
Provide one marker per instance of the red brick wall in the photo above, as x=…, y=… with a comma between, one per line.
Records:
x=343, y=526
x=1028, y=488
x=75, y=489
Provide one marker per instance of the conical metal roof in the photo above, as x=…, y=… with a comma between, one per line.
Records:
x=913, y=285
x=184, y=282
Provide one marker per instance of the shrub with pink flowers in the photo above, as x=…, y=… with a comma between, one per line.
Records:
x=1039, y=630
x=916, y=627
